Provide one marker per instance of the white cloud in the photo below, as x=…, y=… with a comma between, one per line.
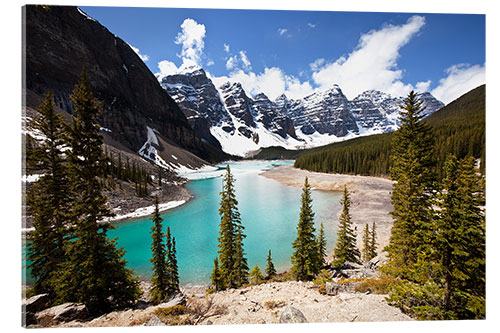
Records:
x=144, y=57
x=282, y=31
x=191, y=39
x=317, y=64
x=460, y=79
x=231, y=62
x=272, y=82
x=373, y=64
x=226, y=47
x=423, y=86
x=312, y=26
x=210, y=62
x=244, y=59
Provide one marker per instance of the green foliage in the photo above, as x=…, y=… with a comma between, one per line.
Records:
x=414, y=179
x=232, y=263
x=165, y=279
x=256, y=276
x=369, y=243
x=345, y=248
x=459, y=128
x=322, y=244
x=306, y=262
x=217, y=279
x=95, y=272
x=270, y=270
x=323, y=277
x=49, y=198
x=381, y=285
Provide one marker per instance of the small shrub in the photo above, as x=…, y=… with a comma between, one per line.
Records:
x=274, y=304
x=282, y=277
x=171, y=311
x=381, y=285
x=322, y=289
x=209, y=291
x=323, y=277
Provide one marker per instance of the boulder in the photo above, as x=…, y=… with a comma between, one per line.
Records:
x=176, y=299
x=154, y=321
x=333, y=289
x=291, y=315
x=37, y=303
x=63, y=313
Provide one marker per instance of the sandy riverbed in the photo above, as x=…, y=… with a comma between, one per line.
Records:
x=371, y=196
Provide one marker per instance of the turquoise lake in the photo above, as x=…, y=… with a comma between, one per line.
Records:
x=269, y=213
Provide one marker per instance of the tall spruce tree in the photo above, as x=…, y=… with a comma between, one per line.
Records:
x=322, y=244
x=159, y=280
x=270, y=270
x=233, y=265
x=345, y=248
x=306, y=262
x=48, y=198
x=366, y=243
x=413, y=173
x=172, y=270
x=460, y=242
x=373, y=242
x=95, y=272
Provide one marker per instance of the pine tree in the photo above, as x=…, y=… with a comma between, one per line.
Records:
x=305, y=259
x=217, y=279
x=172, y=270
x=322, y=244
x=159, y=280
x=373, y=242
x=233, y=265
x=48, y=198
x=366, y=243
x=460, y=242
x=345, y=248
x=95, y=272
x=413, y=173
x=270, y=270
x=256, y=275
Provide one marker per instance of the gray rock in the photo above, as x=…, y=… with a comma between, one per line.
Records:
x=175, y=299
x=37, y=303
x=292, y=315
x=154, y=321
x=333, y=289
x=64, y=312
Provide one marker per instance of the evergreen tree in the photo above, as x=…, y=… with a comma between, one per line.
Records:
x=366, y=243
x=159, y=280
x=306, y=262
x=270, y=270
x=413, y=173
x=233, y=265
x=217, y=279
x=172, y=270
x=48, y=198
x=322, y=244
x=95, y=272
x=460, y=243
x=256, y=275
x=373, y=242
x=345, y=248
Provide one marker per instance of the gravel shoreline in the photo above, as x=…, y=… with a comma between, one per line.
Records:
x=370, y=196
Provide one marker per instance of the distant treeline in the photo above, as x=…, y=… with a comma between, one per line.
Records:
x=458, y=128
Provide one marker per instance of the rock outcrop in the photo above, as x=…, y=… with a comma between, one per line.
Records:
x=291, y=315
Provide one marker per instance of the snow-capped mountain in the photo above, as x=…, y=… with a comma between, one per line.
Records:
x=229, y=118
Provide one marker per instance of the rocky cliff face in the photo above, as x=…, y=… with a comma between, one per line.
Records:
x=60, y=40
x=242, y=124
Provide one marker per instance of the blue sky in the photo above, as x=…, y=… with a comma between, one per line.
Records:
x=298, y=52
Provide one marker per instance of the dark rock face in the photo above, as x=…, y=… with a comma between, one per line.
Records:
x=62, y=313
x=271, y=118
x=60, y=40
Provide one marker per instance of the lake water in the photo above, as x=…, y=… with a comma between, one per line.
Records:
x=269, y=213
